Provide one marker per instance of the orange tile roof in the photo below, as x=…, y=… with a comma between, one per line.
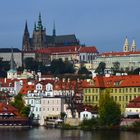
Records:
x=68, y=50
x=114, y=81
x=135, y=103
x=119, y=53
x=91, y=49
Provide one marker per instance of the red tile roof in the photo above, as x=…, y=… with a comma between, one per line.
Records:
x=114, y=81
x=68, y=50
x=7, y=108
x=135, y=103
x=91, y=49
x=119, y=53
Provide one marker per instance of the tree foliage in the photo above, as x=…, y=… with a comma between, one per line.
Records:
x=20, y=105
x=109, y=110
x=4, y=67
x=60, y=67
x=100, y=69
x=84, y=70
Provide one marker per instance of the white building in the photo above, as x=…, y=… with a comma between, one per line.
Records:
x=128, y=59
x=5, y=53
x=133, y=108
x=85, y=115
x=51, y=107
x=34, y=100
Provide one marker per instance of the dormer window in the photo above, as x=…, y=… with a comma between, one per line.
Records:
x=117, y=83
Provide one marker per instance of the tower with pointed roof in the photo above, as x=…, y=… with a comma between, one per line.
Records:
x=12, y=73
x=39, y=35
x=26, y=39
x=133, y=47
x=54, y=30
x=126, y=46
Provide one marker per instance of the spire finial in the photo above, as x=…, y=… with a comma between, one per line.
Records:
x=35, y=26
x=54, y=30
x=26, y=27
x=40, y=27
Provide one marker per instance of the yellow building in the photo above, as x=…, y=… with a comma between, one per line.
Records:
x=122, y=89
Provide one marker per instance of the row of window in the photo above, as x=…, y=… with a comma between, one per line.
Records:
x=114, y=90
x=115, y=98
x=45, y=109
x=43, y=102
x=51, y=109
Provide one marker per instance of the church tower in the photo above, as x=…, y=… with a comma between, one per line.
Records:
x=26, y=46
x=39, y=35
x=12, y=73
x=126, y=46
x=133, y=47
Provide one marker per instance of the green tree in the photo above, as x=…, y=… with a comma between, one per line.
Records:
x=84, y=70
x=109, y=110
x=20, y=105
x=100, y=69
x=116, y=66
x=4, y=67
x=31, y=64
x=60, y=67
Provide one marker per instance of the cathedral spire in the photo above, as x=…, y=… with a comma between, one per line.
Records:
x=126, y=45
x=26, y=27
x=35, y=26
x=54, y=30
x=133, y=47
x=40, y=27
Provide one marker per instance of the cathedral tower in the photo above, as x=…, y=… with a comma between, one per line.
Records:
x=133, y=47
x=39, y=35
x=126, y=46
x=26, y=39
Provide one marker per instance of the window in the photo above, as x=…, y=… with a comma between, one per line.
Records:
x=96, y=90
x=126, y=98
x=92, y=98
x=36, y=108
x=120, y=90
x=119, y=98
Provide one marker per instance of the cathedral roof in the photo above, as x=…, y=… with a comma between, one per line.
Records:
x=65, y=39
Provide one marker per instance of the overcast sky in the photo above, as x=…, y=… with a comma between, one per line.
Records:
x=100, y=23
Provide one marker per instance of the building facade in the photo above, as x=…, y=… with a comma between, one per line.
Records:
x=128, y=59
x=122, y=89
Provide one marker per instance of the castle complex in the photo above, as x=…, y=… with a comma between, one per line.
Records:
x=41, y=40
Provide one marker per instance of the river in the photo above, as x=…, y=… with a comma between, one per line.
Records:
x=42, y=133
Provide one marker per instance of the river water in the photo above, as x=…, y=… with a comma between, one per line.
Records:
x=42, y=133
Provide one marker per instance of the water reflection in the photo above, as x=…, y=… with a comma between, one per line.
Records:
x=42, y=133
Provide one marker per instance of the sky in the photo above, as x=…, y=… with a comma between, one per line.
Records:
x=101, y=23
